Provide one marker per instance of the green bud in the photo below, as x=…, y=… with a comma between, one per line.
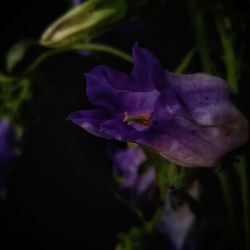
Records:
x=84, y=22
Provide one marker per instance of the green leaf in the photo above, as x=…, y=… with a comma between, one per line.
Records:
x=166, y=172
x=135, y=239
x=5, y=79
x=16, y=54
x=186, y=61
x=13, y=92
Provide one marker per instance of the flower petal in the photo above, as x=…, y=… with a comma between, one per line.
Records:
x=117, y=129
x=102, y=91
x=186, y=143
x=145, y=181
x=90, y=120
x=126, y=164
x=8, y=139
x=206, y=97
x=147, y=70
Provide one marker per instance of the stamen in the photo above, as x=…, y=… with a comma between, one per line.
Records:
x=143, y=119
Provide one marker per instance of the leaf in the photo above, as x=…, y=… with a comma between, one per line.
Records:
x=135, y=239
x=5, y=79
x=17, y=53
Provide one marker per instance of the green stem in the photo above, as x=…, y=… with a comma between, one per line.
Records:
x=186, y=61
x=243, y=173
x=151, y=225
x=81, y=46
x=132, y=207
x=6, y=79
x=241, y=168
x=229, y=56
x=227, y=189
x=200, y=35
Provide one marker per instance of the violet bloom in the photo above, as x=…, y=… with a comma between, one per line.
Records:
x=77, y=2
x=7, y=142
x=7, y=151
x=189, y=119
x=126, y=164
x=178, y=219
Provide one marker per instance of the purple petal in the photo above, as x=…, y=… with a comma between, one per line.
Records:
x=140, y=79
x=186, y=143
x=176, y=222
x=117, y=129
x=7, y=141
x=205, y=97
x=126, y=164
x=145, y=181
x=102, y=92
x=178, y=218
x=197, y=123
x=90, y=120
x=147, y=68
x=104, y=124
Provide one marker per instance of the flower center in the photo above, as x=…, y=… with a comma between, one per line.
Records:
x=143, y=119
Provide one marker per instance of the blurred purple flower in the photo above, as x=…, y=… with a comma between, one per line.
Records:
x=7, y=141
x=189, y=119
x=126, y=164
x=77, y=2
x=7, y=151
x=178, y=218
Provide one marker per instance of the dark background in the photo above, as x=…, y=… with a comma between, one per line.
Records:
x=60, y=192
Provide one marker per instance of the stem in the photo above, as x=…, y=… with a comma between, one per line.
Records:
x=226, y=185
x=200, y=35
x=130, y=206
x=229, y=56
x=81, y=46
x=243, y=173
x=151, y=225
x=186, y=61
x=241, y=168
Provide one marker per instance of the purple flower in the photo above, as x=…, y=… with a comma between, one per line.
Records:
x=77, y=2
x=7, y=152
x=7, y=142
x=126, y=164
x=178, y=217
x=189, y=119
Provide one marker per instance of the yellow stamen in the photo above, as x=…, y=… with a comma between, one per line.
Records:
x=143, y=119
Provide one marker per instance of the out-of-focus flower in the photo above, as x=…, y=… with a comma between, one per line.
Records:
x=178, y=218
x=7, y=151
x=7, y=141
x=126, y=164
x=189, y=119
x=85, y=22
x=77, y=2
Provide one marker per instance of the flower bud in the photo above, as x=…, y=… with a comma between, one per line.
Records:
x=84, y=22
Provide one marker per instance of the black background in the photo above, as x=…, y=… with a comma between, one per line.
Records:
x=60, y=192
